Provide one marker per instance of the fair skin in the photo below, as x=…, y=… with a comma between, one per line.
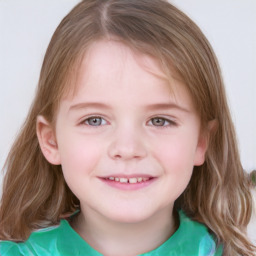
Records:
x=127, y=145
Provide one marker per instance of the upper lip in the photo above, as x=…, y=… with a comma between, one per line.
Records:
x=121, y=175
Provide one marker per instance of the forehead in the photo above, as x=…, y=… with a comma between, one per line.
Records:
x=106, y=57
x=112, y=66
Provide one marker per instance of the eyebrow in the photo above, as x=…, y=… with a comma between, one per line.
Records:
x=88, y=104
x=151, y=107
x=166, y=106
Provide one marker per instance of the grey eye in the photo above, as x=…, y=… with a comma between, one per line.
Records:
x=94, y=121
x=157, y=121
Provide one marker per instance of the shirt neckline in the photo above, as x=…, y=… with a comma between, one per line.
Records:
x=190, y=238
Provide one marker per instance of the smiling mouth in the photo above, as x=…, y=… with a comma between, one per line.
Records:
x=132, y=180
x=128, y=183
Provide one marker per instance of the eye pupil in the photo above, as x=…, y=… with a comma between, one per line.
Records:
x=158, y=121
x=94, y=121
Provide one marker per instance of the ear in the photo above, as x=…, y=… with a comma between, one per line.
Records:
x=203, y=142
x=47, y=140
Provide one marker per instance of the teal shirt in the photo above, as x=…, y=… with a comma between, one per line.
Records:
x=190, y=239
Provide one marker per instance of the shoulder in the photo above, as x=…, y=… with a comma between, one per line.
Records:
x=197, y=236
x=42, y=242
x=8, y=248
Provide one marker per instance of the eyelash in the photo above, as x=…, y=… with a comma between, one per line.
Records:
x=166, y=122
x=86, y=121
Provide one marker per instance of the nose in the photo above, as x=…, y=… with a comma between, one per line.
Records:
x=127, y=144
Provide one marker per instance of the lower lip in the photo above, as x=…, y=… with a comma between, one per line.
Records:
x=128, y=186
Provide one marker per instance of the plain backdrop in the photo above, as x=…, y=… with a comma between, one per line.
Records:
x=26, y=28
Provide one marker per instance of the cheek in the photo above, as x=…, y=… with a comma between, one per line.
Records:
x=176, y=157
x=79, y=155
x=177, y=164
x=79, y=160
x=177, y=152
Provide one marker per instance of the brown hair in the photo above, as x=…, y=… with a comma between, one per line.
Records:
x=35, y=194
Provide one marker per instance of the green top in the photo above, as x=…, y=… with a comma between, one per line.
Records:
x=190, y=239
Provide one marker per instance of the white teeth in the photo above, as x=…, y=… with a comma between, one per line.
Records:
x=133, y=180
x=139, y=179
x=130, y=180
x=123, y=180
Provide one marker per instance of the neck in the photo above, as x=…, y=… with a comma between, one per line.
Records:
x=126, y=239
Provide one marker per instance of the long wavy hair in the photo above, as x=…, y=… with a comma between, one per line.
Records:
x=35, y=194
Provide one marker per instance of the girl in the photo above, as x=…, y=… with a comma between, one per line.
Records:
x=129, y=147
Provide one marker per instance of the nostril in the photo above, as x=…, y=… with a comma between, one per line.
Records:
x=127, y=149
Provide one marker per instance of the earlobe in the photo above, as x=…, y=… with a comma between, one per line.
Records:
x=203, y=142
x=47, y=140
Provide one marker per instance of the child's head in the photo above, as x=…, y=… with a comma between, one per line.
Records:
x=124, y=122
x=168, y=46
x=160, y=31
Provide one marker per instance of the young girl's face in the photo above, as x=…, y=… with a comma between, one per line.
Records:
x=126, y=142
